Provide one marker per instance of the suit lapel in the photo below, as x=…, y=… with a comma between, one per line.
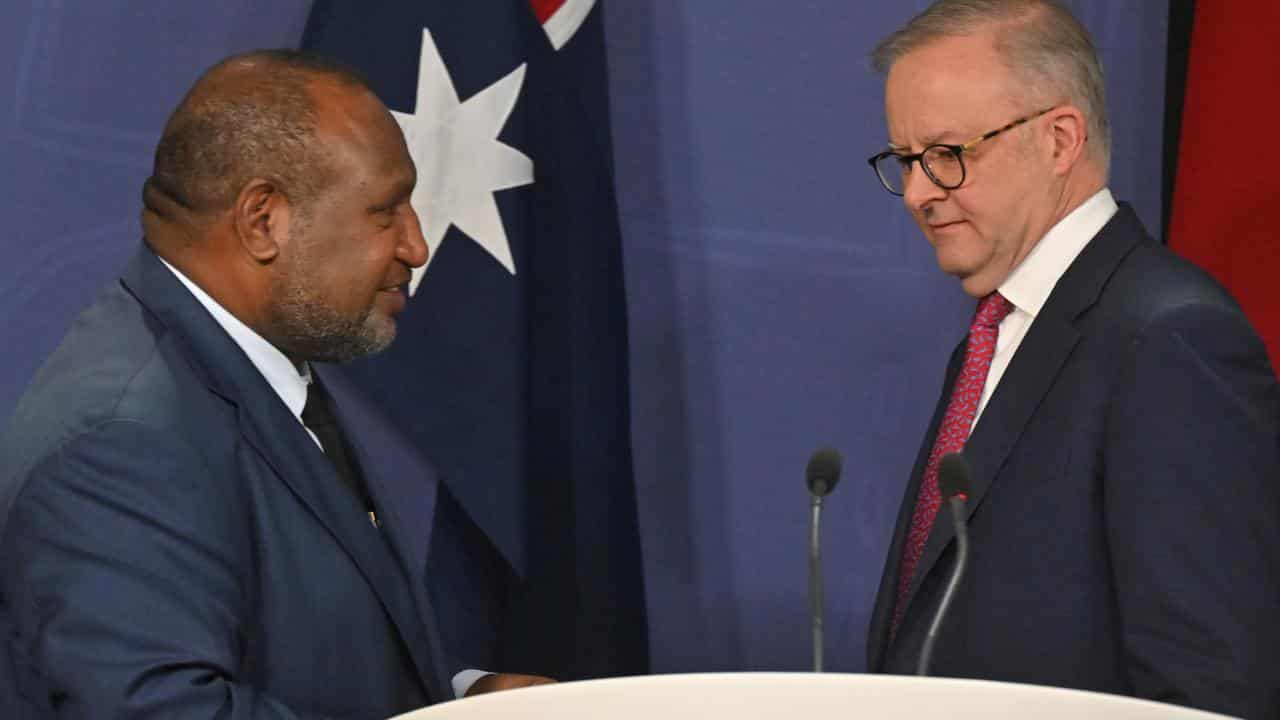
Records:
x=1043, y=353
x=270, y=428
x=403, y=485
x=404, y=489
x=887, y=596
x=277, y=436
x=1034, y=369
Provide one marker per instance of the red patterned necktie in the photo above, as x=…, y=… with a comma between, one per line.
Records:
x=952, y=433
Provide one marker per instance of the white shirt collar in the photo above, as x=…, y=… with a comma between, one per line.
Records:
x=1029, y=285
x=279, y=371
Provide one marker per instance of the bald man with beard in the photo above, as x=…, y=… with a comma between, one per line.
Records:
x=187, y=529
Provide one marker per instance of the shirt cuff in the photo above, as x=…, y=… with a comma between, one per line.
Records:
x=463, y=681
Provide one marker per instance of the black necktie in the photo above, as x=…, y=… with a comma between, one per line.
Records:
x=317, y=415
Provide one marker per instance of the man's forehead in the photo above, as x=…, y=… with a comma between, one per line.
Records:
x=344, y=103
x=356, y=115
x=364, y=145
x=929, y=128
x=946, y=91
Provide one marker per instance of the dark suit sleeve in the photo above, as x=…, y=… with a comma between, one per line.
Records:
x=122, y=574
x=1191, y=494
x=467, y=581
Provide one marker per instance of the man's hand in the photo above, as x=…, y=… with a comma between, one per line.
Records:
x=506, y=681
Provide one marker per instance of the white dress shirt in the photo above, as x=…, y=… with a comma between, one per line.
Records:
x=1029, y=285
x=290, y=383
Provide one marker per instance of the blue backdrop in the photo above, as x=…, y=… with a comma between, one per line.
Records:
x=778, y=299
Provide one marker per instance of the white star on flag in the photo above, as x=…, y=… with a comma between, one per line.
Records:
x=460, y=161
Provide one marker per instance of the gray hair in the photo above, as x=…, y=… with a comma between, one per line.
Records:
x=1039, y=40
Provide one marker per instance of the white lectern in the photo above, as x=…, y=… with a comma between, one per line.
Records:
x=799, y=696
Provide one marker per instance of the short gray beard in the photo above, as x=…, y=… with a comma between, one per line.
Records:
x=308, y=329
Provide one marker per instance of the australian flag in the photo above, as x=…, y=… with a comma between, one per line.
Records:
x=509, y=372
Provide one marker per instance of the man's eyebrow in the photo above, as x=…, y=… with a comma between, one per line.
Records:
x=404, y=186
x=938, y=137
x=399, y=192
x=926, y=141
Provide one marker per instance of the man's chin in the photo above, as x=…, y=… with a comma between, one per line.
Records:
x=355, y=347
x=380, y=332
x=955, y=264
x=972, y=279
x=977, y=286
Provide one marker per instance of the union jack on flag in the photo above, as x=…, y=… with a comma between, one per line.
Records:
x=561, y=18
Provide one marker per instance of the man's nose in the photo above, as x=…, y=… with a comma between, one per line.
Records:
x=919, y=190
x=413, y=246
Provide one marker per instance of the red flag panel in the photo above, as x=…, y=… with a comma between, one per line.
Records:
x=1228, y=186
x=544, y=9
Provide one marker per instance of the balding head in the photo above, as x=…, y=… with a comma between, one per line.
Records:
x=250, y=116
x=1050, y=52
x=989, y=88
x=282, y=188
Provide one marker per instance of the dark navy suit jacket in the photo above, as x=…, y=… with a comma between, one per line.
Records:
x=174, y=544
x=1125, y=507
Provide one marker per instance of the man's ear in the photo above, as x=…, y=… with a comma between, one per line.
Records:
x=261, y=216
x=1070, y=132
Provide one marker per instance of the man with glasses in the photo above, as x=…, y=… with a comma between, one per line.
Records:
x=1118, y=414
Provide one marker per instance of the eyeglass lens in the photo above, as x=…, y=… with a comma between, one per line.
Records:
x=942, y=163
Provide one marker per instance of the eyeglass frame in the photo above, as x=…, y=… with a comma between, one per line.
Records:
x=957, y=150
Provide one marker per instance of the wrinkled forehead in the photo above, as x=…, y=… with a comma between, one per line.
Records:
x=948, y=91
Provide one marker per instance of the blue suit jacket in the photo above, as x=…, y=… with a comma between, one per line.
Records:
x=175, y=545
x=1125, y=488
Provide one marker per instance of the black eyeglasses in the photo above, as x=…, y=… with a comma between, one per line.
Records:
x=944, y=164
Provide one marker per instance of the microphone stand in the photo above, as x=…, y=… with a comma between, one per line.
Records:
x=815, y=580
x=956, y=502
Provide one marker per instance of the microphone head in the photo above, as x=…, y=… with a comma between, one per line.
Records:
x=953, y=476
x=823, y=472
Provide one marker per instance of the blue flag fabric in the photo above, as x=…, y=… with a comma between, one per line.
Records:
x=510, y=369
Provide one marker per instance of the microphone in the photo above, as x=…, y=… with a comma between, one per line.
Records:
x=953, y=486
x=821, y=475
